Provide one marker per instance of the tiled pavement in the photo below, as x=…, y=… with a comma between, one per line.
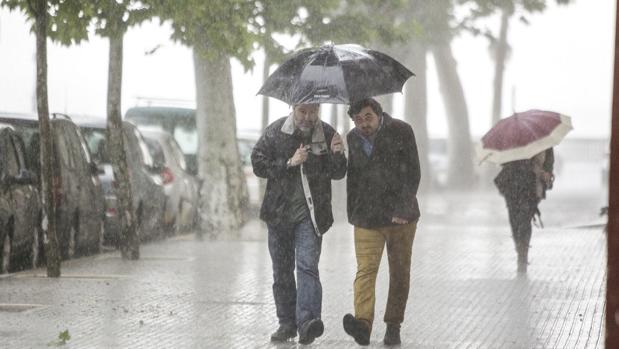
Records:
x=200, y=294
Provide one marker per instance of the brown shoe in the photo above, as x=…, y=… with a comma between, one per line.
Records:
x=357, y=329
x=392, y=335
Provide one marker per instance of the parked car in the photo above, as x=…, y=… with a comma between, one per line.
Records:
x=180, y=187
x=149, y=200
x=179, y=122
x=20, y=210
x=79, y=209
x=246, y=142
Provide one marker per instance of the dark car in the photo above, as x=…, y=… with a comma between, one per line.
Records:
x=20, y=210
x=79, y=203
x=149, y=200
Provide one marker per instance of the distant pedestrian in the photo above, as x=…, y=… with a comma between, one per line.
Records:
x=383, y=178
x=523, y=184
x=299, y=155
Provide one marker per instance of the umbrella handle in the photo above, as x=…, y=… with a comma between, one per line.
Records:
x=484, y=159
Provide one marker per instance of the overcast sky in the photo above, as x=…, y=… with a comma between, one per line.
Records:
x=562, y=61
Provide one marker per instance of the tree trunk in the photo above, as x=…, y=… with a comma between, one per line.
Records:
x=265, y=100
x=334, y=117
x=224, y=190
x=265, y=117
x=129, y=237
x=499, y=68
x=386, y=102
x=460, y=150
x=48, y=225
x=416, y=109
x=345, y=120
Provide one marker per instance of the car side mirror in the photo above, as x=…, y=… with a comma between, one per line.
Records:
x=95, y=169
x=158, y=163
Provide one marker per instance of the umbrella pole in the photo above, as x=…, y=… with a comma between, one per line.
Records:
x=612, y=281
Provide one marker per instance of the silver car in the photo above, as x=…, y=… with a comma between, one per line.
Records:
x=180, y=187
x=149, y=200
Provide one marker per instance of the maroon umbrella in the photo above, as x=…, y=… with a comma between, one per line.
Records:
x=523, y=135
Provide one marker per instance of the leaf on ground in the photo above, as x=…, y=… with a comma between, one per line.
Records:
x=63, y=337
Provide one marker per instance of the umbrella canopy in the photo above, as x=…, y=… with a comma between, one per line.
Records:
x=523, y=135
x=335, y=74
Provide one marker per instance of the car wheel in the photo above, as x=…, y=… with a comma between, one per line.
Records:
x=71, y=247
x=6, y=253
x=138, y=226
x=179, y=224
x=101, y=237
x=36, y=248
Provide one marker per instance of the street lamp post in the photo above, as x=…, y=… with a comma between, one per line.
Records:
x=612, y=283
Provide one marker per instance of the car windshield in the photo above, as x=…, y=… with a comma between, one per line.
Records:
x=148, y=159
x=155, y=150
x=95, y=139
x=187, y=138
x=177, y=153
x=84, y=146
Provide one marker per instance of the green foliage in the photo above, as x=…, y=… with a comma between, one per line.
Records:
x=364, y=22
x=331, y=21
x=212, y=27
x=68, y=20
x=293, y=17
x=484, y=8
x=63, y=338
x=114, y=17
x=238, y=27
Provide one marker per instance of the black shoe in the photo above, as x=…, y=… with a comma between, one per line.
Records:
x=357, y=329
x=392, y=335
x=311, y=330
x=284, y=333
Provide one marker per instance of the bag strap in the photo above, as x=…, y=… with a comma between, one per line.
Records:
x=309, y=200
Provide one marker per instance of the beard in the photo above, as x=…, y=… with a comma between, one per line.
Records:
x=306, y=132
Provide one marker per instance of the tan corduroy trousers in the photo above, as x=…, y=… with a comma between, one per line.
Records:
x=369, y=245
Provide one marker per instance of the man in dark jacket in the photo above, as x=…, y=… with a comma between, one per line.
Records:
x=299, y=155
x=382, y=182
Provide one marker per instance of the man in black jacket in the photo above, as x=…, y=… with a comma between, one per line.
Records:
x=382, y=182
x=299, y=155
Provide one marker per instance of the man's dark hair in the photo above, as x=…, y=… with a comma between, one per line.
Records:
x=356, y=106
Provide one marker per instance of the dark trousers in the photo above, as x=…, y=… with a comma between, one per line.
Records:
x=521, y=212
x=301, y=246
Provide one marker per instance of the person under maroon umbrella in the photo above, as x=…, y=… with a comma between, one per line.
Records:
x=522, y=145
x=523, y=184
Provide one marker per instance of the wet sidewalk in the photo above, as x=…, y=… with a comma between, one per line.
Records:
x=465, y=292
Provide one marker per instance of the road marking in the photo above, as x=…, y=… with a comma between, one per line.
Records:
x=73, y=276
x=18, y=308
